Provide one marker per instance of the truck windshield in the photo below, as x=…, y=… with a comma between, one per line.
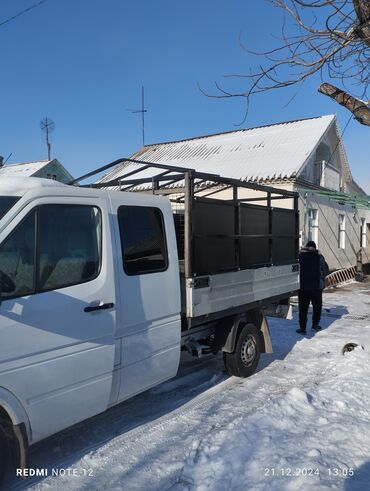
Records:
x=6, y=202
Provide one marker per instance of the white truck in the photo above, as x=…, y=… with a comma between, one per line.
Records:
x=102, y=289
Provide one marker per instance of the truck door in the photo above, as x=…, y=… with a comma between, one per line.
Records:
x=148, y=324
x=57, y=316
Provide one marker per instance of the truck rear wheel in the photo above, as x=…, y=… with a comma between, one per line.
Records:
x=244, y=360
x=4, y=450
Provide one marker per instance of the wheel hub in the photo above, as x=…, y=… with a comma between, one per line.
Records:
x=248, y=350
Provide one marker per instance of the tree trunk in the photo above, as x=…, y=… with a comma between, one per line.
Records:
x=360, y=109
x=362, y=9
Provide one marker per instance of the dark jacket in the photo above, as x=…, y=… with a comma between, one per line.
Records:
x=313, y=269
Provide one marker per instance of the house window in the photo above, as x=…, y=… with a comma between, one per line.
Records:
x=342, y=232
x=363, y=233
x=313, y=225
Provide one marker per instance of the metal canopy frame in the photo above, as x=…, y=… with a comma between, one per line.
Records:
x=193, y=182
x=161, y=179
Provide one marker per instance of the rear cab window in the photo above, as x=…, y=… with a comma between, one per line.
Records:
x=143, y=239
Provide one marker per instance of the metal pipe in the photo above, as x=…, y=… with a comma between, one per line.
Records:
x=188, y=239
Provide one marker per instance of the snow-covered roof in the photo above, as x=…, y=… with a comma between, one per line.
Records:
x=23, y=169
x=276, y=151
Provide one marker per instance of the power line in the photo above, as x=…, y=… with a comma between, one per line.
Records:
x=22, y=12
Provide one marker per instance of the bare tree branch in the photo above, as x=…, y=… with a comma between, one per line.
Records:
x=329, y=37
x=360, y=109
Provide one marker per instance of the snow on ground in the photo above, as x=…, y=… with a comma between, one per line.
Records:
x=302, y=422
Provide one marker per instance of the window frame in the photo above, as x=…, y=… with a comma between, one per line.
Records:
x=153, y=271
x=342, y=231
x=36, y=289
x=363, y=234
x=313, y=225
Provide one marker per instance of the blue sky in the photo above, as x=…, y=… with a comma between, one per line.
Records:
x=82, y=63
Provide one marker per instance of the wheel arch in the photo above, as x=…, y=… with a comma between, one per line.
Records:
x=256, y=318
x=11, y=406
x=13, y=412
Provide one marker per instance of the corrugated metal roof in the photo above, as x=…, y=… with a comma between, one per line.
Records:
x=25, y=169
x=271, y=152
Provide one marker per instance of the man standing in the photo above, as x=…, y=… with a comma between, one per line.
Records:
x=313, y=269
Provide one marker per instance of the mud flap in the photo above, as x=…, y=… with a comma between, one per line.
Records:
x=266, y=335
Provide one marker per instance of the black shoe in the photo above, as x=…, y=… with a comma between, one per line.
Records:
x=316, y=328
x=301, y=331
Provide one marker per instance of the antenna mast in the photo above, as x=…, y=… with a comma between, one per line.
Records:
x=142, y=111
x=48, y=126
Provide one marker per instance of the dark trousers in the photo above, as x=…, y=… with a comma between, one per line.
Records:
x=305, y=297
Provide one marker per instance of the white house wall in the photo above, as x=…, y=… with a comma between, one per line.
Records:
x=328, y=229
x=331, y=140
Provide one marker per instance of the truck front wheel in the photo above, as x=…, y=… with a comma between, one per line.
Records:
x=4, y=450
x=244, y=360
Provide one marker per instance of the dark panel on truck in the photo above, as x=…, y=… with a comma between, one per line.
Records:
x=214, y=255
x=213, y=230
x=227, y=236
x=254, y=220
x=284, y=248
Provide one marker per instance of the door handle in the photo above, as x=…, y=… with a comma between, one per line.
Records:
x=103, y=306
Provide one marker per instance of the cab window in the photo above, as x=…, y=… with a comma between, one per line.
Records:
x=53, y=247
x=143, y=240
x=68, y=244
x=17, y=260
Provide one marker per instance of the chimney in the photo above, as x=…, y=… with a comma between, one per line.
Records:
x=1, y=160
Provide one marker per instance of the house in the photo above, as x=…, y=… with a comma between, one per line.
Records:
x=50, y=169
x=306, y=156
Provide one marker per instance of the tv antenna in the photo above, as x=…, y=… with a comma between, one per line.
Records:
x=47, y=125
x=141, y=111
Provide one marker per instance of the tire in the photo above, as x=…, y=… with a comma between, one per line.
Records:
x=4, y=450
x=243, y=362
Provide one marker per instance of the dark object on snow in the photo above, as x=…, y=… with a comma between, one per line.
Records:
x=350, y=347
